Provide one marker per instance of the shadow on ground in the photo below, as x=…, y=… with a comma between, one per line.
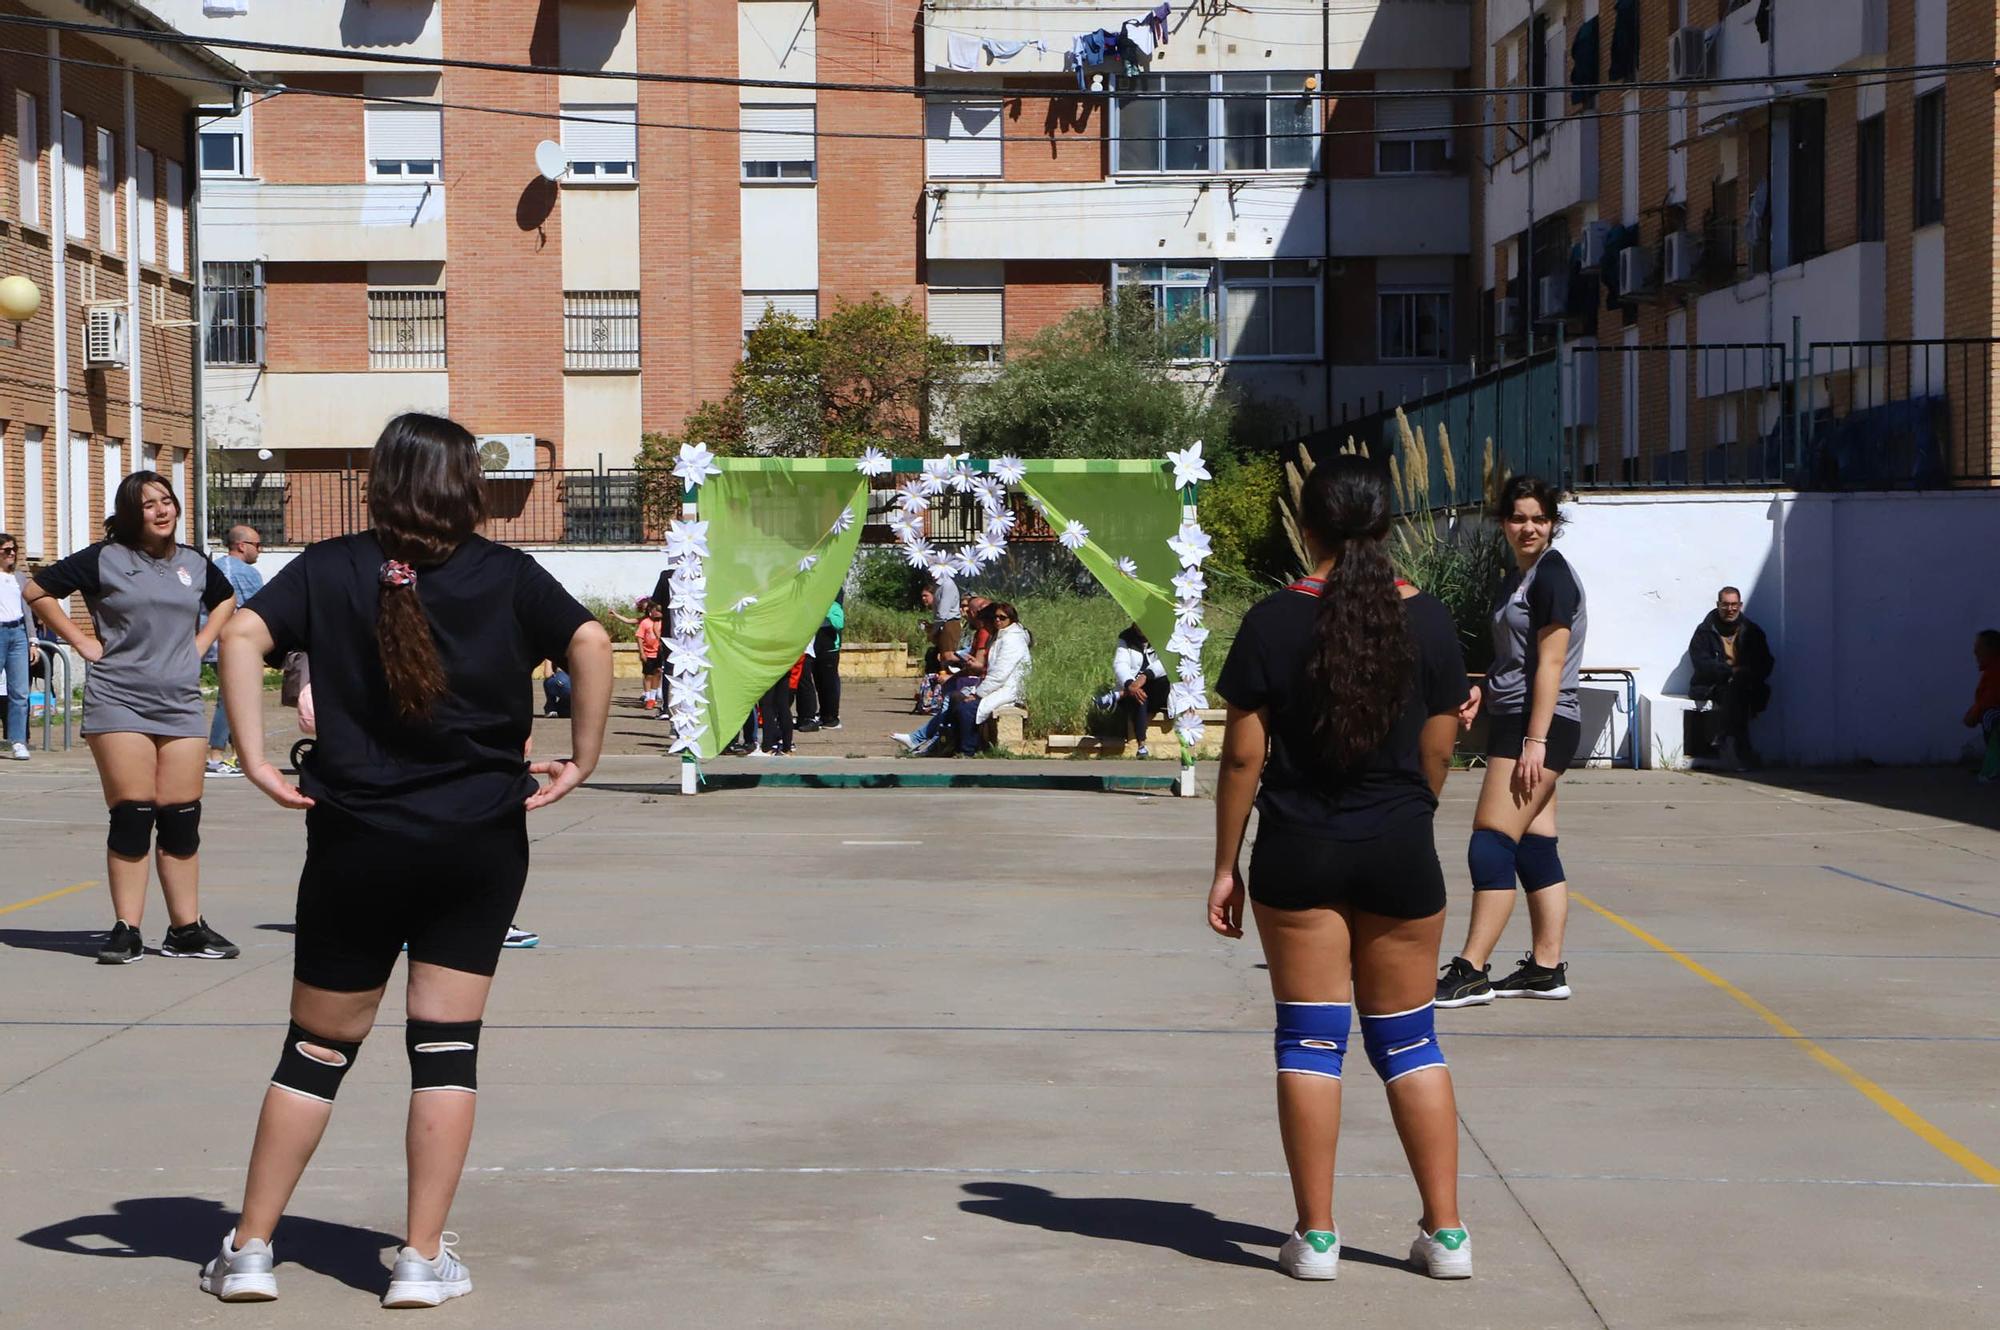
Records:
x=190, y=1229
x=1174, y=1225
x=1946, y=792
x=68, y=941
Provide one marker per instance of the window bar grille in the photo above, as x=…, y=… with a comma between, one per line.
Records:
x=406, y=330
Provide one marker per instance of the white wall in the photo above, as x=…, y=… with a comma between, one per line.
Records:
x=1867, y=600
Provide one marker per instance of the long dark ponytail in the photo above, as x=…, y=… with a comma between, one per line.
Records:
x=425, y=496
x=1362, y=655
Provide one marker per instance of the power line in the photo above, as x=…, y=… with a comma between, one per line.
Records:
x=174, y=38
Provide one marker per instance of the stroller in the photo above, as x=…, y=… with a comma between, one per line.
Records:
x=296, y=692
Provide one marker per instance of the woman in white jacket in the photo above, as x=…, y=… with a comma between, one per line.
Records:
x=1142, y=684
x=1008, y=661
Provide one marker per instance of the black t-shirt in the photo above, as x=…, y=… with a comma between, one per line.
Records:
x=495, y=614
x=1303, y=791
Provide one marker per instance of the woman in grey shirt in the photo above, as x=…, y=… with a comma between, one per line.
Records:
x=142, y=713
x=1531, y=699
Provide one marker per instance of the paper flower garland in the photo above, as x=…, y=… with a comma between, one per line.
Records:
x=917, y=553
x=1188, y=467
x=695, y=464
x=952, y=472
x=687, y=596
x=873, y=462
x=1188, y=698
x=1075, y=535
x=1191, y=546
x=1007, y=470
x=686, y=541
x=989, y=548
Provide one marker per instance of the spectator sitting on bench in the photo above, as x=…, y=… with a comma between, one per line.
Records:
x=1985, y=711
x=1732, y=670
x=1142, y=684
x=1008, y=661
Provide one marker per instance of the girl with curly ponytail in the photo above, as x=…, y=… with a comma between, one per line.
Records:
x=1344, y=693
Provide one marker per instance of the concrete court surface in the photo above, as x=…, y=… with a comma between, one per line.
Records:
x=915, y=1058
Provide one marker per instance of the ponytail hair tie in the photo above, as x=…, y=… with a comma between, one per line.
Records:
x=397, y=573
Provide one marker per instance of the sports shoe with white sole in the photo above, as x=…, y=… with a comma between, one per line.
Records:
x=418, y=1281
x=197, y=941
x=519, y=938
x=908, y=741
x=1445, y=1254
x=1460, y=985
x=21, y=753
x=1529, y=980
x=1314, y=1254
x=242, y=1274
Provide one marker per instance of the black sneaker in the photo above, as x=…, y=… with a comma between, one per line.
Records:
x=124, y=946
x=829, y=725
x=197, y=941
x=1462, y=986
x=1530, y=980
x=806, y=727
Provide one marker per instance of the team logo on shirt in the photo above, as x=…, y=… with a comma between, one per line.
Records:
x=185, y=579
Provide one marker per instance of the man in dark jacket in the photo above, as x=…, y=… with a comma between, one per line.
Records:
x=1732, y=670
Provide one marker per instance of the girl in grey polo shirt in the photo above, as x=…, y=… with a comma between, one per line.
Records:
x=142, y=713
x=1539, y=625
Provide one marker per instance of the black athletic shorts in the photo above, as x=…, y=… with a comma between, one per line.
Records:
x=1505, y=731
x=365, y=892
x=1395, y=873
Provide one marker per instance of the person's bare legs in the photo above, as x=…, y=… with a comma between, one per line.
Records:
x=1504, y=809
x=127, y=771
x=1394, y=970
x=440, y=1123
x=178, y=780
x=1307, y=951
x=290, y=1125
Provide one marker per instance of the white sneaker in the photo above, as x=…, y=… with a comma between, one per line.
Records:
x=21, y=753
x=1311, y=1255
x=1145, y=751
x=242, y=1274
x=1445, y=1254
x=222, y=770
x=909, y=741
x=420, y=1282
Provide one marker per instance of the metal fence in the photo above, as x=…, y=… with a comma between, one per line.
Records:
x=575, y=507
x=1906, y=414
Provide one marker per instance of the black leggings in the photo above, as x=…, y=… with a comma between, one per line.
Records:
x=1131, y=719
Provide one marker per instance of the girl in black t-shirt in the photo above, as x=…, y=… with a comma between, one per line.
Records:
x=1344, y=698
x=424, y=637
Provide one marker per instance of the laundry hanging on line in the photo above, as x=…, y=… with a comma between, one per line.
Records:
x=964, y=51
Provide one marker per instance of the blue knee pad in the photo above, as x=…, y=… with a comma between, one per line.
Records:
x=1538, y=863
x=1312, y=1037
x=1402, y=1043
x=1491, y=856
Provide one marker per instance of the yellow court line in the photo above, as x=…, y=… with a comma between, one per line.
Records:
x=47, y=896
x=1908, y=1117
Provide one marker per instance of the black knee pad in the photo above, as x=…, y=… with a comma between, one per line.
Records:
x=1491, y=858
x=308, y=1074
x=443, y=1055
x=180, y=829
x=1538, y=863
x=131, y=835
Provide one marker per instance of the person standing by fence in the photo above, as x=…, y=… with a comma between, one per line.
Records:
x=237, y=564
x=142, y=704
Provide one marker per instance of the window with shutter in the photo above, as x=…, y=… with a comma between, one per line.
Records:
x=778, y=142
x=76, y=208
x=962, y=139
x=176, y=217
x=798, y=304
x=404, y=141
x=107, y=191
x=1410, y=133
x=145, y=223
x=968, y=307
x=30, y=151
x=601, y=142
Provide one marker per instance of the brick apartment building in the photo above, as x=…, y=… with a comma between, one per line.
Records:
x=95, y=210
x=373, y=241
x=1731, y=266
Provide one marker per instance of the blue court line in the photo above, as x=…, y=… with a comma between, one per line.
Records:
x=1035, y=1029
x=1907, y=891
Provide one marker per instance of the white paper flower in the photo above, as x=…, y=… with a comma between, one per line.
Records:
x=1128, y=566
x=1183, y=697
x=687, y=540
x=1190, y=584
x=965, y=564
x=1000, y=523
x=910, y=499
x=963, y=478
x=1188, y=616
x=988, y=548
x=695, y=464
x=843, y=523
x=932, y=485
x=1191, y=671
x=689, y=658
x=906, y=526
x=683, y=600
x=687, y=741
x=688, y=697
x=1008, y=470
x=1187, y=641
x=873, y=462
x=940, y=467
x=806, y=564
x=1188, y=466
x=1191, y=546
x=991, y=493
x=1190, y=729
x=941, y=567
x=742, y=605
x=917, y=554
x=1075, y=535
x=1035, y=502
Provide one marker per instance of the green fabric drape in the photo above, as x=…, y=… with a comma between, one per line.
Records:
x=761, y=524
x=1129, y=516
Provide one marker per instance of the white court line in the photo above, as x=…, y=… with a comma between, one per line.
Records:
x=881, y=842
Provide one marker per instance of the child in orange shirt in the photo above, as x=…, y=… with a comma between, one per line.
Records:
x=652, y=620
x=1984, y=713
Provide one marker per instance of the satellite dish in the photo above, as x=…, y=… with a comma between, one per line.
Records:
x=551, y=160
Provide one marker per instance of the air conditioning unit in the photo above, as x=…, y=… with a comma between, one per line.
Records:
x=1596, y=239
x=1635, y=272
x=506, y=452
x=1687, y=55
x=1554, y=302
x=104, y=335
x=1507, y=318
x=1683, y=258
